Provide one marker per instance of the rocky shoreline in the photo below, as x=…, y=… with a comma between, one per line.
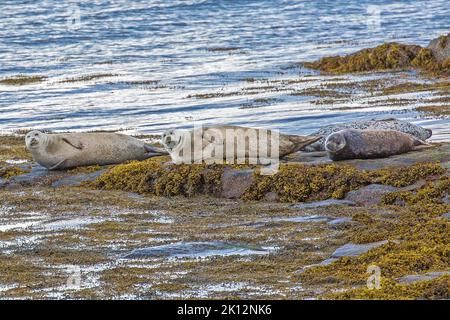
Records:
x=151, y=230
x=315, y=230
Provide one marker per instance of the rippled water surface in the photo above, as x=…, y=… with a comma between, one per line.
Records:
x=144, y=62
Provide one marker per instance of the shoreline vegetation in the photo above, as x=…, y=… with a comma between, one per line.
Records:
x=313, y=230
x=396, y=207
x=390, y=57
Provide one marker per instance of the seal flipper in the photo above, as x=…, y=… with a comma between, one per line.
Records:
x=56, y=166
x=77, y=145
x=154, y=151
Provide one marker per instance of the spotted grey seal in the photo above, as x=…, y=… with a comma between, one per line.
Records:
x=367, y=144
x=384, y=124
x=248, y=143
x=69, y=150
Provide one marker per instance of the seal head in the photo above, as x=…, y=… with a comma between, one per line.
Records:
x=171, y=139
x=35, y=139
x=335, y=142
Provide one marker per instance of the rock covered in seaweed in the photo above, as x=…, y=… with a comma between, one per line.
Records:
x=390, y=56
x=383, y=57
x=440, y=47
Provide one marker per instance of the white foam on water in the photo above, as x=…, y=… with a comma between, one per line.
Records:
x=19, y=225
x=20, y=161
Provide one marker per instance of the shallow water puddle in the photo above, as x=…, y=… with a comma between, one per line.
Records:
x=323, y=203
x=312, y=218
x=196, y=250
x=70, y=223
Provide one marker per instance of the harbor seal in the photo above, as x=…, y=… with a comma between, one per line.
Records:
x=368, y=144
x=384, y=124
x=230, y=143
x=69, y=150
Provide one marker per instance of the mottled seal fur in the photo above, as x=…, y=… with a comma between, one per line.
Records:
x=385, y=124
x=176, y=142
x=69, y=150
x=367, y=144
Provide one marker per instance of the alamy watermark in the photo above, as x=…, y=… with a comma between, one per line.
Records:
x=374, y=280
x=73, y=19
x=373, y=19
x=74, y=279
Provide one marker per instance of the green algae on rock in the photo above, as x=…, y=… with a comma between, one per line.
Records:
x=419, y=244
x=385, y=57
x=390, y=290
x=13, y=148
x=292, y=183
x=154, y=177
x=298, y=182
x=11, y=171
x=431, y=192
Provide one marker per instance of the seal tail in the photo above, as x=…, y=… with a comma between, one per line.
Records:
x=154, y=151
x=420, y=144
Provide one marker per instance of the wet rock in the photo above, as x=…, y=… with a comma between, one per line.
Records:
x=419, y=184
x=422, y=277
x=196, y=250
x=440, y=47
x=324, y=203
x=235, y=183
x=354, y=250
x=76, y=180
x=271, y=196
x=439, y=153
x=37, y=172
x=369, y=195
